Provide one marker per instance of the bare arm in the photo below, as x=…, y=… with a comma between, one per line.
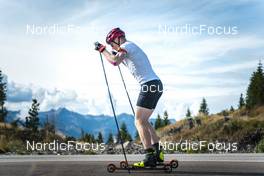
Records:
x=115, y=59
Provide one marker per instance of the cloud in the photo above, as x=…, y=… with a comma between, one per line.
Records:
x=20, y=98
x=204, y=50
x=18, y=93
x=226, y=68
x=54, y=99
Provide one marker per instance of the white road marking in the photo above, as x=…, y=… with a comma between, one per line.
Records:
x=168, y=157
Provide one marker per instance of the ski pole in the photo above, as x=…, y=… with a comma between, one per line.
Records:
x=126, y=90
x=111, y=101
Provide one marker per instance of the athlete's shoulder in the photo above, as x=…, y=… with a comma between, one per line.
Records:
x=130, y=46
x=127, y=44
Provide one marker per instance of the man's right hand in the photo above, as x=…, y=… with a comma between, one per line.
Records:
x=99, y=47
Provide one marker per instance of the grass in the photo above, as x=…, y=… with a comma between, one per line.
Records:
x=240, y=126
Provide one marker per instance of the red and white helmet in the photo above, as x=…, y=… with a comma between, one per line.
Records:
x=114, y=33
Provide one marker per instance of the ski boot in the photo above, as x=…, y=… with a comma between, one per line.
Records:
x=159, y=153
x=149, y=161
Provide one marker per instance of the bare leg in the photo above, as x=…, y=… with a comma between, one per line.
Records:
x=140, y=121
x=145, y=130
x=153, y=134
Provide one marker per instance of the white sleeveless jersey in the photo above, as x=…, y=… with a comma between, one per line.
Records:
x=138, y=63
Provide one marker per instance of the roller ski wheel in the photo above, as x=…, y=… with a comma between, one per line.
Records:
x=123, y=165
x=174, y=164
x=111, y=168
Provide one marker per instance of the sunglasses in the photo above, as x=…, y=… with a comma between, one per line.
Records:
x=112, y=44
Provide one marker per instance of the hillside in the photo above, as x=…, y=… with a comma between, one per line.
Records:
x=241, y=127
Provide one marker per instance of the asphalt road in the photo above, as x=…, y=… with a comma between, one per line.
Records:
x=86, y=166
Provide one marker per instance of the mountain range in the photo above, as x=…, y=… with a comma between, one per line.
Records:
x=71, y=123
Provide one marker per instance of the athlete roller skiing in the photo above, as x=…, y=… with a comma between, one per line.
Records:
x=134, y=58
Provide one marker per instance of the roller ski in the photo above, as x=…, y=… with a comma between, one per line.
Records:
x=153, y=161
x=165, y=166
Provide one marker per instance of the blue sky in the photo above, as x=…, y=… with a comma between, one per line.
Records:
x=61, y=69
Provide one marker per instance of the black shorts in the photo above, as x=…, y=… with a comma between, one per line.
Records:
x=150, y=93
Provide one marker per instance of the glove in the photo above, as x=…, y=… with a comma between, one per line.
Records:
x=99, y=47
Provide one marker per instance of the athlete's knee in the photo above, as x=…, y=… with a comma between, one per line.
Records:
x=139, y=121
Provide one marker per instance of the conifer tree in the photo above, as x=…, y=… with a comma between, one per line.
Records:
x=3, y=111
x=89, y=138
x=255, y=91
x=86, y=137
x=100, y=138
x=232, y=109
x=188, y=113
x=241, y=102
x=82, y=135
x=166, y=120
x=158, y=122
x=110, y=139
x=124, y=133
x=32, y=121
x=204, y=107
